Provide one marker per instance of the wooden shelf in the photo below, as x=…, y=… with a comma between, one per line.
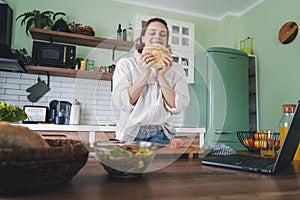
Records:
x=79, y=39
x=54, y=71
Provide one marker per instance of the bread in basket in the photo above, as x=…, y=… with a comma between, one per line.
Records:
x=32, y=169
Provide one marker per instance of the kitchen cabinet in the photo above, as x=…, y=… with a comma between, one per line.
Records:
x=253, y=93
x=76, y=39
x=181, y=41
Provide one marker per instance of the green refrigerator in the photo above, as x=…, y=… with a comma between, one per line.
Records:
x=226, y=72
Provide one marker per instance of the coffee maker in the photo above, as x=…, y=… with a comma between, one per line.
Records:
x=60, y=112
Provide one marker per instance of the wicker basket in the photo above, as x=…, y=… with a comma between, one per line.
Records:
x=83, y=31
x=33, y=170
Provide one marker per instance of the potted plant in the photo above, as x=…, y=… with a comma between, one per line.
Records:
x=11, y=113
x=37, y=18
x=23, y=57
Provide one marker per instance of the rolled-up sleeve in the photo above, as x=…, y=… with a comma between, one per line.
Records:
x=182, y=97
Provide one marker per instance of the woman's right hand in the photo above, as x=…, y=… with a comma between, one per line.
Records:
x=146, y=60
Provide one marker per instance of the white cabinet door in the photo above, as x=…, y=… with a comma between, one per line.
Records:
x=186, y=60
x=181, y=35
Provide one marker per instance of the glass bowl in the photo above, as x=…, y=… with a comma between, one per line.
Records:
x=125, y=160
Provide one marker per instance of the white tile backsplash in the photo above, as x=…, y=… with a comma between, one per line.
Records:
x=94, y=95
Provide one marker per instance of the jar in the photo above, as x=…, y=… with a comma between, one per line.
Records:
x=82, y=65
x=287, y=115
x=90, y=65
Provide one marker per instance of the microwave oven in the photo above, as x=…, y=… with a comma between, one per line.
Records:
x=53, y=54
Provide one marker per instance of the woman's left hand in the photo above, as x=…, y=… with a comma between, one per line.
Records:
x=167, y=63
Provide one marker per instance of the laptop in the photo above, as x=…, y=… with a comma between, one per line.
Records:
x=268, y=165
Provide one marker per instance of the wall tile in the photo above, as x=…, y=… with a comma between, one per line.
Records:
x=94, y=95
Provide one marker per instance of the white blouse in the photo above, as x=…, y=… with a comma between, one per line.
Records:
x=150, y=108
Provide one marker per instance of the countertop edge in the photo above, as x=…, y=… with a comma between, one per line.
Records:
x=96, y=128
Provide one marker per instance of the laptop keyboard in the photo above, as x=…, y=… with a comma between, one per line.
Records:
x=256, y=162
x=247, y=161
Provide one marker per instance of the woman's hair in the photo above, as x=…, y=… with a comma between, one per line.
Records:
x=139, y=45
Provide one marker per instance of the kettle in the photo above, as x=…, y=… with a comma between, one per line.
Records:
x=60, y=24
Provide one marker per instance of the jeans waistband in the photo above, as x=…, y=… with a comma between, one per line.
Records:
x=151, y=130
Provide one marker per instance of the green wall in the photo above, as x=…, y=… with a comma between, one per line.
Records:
x=278, y=64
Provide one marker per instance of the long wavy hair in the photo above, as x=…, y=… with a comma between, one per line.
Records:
x=139, y=45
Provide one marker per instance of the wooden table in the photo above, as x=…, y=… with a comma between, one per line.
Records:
x=183, y=179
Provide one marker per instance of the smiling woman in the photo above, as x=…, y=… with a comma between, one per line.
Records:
x=146, y=95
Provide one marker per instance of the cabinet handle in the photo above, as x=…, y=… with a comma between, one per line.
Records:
x=54, y=135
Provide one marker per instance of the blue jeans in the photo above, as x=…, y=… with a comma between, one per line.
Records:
x=152, y=133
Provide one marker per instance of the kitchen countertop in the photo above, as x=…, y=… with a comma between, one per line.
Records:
x=183, y=179
x=55, y=127
x=92, y=129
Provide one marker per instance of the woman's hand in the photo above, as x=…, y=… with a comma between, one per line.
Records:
x=146, y=60
x=167, y=63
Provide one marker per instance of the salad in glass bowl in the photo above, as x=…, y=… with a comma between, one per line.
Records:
x=125, y=160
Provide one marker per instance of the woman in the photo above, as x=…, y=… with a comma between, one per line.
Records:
x=147, y=97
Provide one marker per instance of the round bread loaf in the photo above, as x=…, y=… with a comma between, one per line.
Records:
x=159, y=51
x=19, y=137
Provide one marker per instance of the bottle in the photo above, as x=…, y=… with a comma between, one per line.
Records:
x=124, y=34
x=75, y=113
x=287, y=115
x=119, y=32
x=82, y=65
x=129, y=32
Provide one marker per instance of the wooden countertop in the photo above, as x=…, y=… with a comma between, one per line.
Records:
x=183, y=179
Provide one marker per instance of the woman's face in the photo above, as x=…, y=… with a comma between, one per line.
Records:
x=155, y=33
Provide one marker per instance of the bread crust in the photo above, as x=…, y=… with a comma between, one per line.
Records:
x=20, y=137
x=159, y=51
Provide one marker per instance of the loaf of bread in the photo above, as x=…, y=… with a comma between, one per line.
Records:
x=159, y=51
x=20, y=137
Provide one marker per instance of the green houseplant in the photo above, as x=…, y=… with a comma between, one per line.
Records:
x=38, y=18
x=11, y=113
x=23, y=57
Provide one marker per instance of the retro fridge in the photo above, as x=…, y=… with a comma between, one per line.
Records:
x=226, y=72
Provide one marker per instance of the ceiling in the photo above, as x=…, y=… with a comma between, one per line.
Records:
x=210, y=9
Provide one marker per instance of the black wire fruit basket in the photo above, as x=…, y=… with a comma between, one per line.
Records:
x=252, y=139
